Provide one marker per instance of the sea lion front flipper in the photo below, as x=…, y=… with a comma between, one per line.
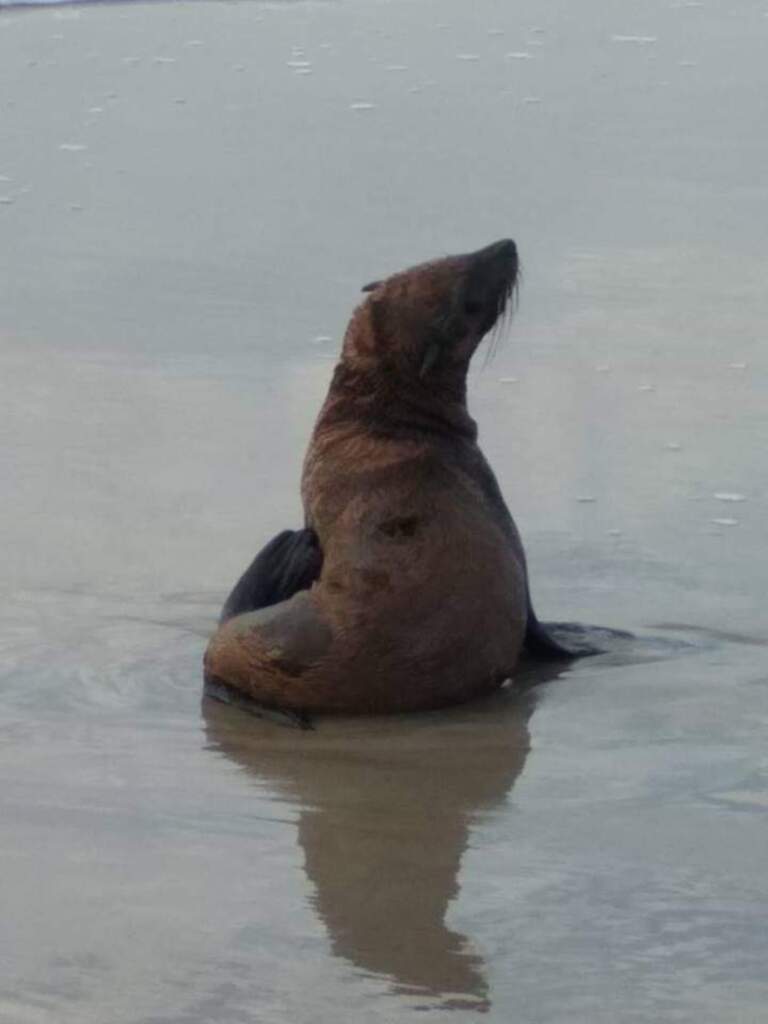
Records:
x=289, y=563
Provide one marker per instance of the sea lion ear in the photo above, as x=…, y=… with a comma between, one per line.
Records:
x=431, y=356
x=371, y=286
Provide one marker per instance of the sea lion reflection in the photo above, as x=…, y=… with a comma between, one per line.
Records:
x=386, y=809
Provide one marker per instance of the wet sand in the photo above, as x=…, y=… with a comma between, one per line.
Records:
x=192, y=197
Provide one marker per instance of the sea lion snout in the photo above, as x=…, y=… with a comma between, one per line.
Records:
x=503, y=250
x=491, y=279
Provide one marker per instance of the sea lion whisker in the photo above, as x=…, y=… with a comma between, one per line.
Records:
x=500, y=327
x=493, y=339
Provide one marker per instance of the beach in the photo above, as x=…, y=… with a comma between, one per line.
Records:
x=191, y=197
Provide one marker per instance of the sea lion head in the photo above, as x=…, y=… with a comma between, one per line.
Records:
x=426, y=322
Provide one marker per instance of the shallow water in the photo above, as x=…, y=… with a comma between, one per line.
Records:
x=187, y=218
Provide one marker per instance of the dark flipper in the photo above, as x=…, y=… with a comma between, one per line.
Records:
x=556, y=641
x=289, y=563
x=218, y=690
x=565, y=641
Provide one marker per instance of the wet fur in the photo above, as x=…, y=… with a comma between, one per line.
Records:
x=408, y=586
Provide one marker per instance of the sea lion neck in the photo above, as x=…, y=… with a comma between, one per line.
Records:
x=385, y=404
x=377, y=385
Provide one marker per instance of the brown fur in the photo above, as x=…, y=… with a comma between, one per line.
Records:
x=422, y=600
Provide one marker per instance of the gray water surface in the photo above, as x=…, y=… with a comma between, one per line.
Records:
x=192, y=196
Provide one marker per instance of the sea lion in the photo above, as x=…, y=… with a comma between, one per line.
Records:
x=407, y=588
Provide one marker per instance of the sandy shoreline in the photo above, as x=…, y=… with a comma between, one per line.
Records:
x=193, y=195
